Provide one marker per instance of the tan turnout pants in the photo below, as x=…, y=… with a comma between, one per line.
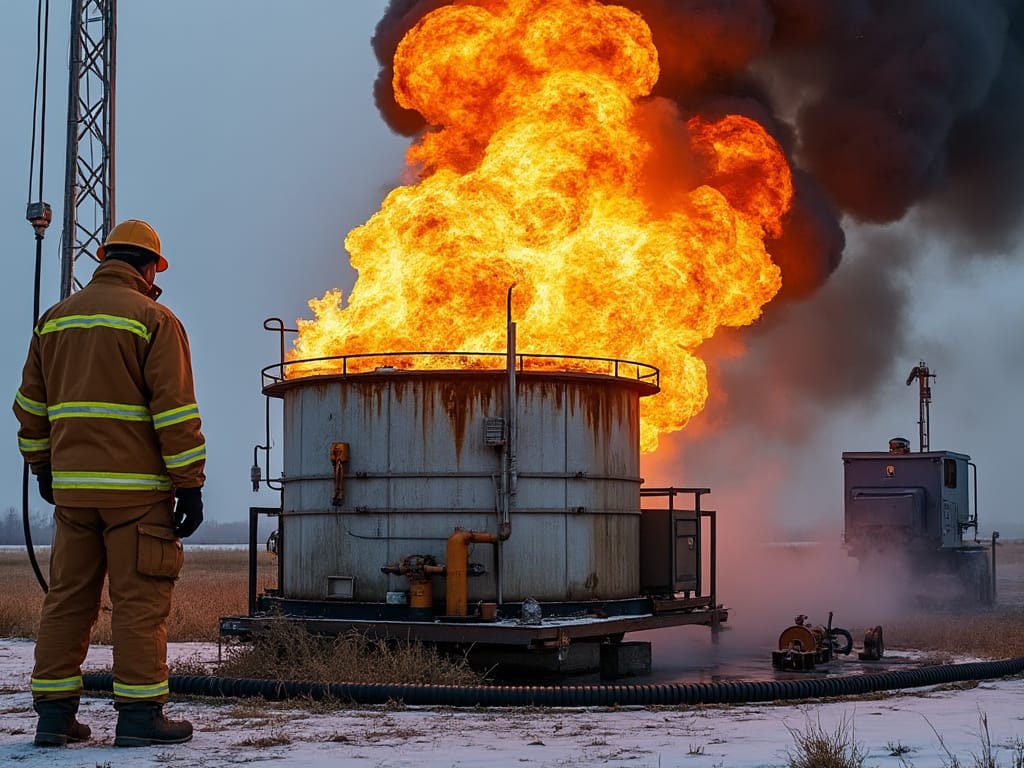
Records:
x=136, y=546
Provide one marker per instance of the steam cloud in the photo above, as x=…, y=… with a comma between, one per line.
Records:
x=883, y=108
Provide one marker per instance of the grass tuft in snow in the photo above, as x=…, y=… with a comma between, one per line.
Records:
x=816, y=747
x=897, y=749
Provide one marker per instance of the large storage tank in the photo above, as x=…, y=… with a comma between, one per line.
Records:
x=424, y=455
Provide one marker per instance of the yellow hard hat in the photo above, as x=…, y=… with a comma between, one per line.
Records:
x=137, y=233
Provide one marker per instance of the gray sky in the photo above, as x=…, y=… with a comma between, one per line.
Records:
x=247, y=135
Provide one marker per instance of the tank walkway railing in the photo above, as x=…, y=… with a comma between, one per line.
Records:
x=446, y=361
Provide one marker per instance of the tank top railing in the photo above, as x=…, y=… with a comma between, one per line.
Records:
x=445, y=361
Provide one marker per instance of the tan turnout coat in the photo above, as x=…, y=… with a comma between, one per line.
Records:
x=107, y=397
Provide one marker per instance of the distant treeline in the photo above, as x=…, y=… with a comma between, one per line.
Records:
x=12, y=530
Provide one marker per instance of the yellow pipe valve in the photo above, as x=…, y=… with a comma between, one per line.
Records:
x=457, y=567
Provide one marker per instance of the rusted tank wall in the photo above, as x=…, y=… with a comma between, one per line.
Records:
x=419, y=468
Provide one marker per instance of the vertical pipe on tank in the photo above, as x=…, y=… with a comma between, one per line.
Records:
x=510, y=468
x=513, y=461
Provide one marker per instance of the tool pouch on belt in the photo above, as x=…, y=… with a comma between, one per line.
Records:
x=160, y=552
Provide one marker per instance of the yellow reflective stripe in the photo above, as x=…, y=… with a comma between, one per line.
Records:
x=30, y=405
x=149, y=691
x=110, y=481
x=96, y=321
x=25, y=445
x=185, y=457
x=60, y=685
x=175, y=416
x=96, y=410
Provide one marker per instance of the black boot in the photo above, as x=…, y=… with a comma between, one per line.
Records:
x=142, y=723
x=57, y=724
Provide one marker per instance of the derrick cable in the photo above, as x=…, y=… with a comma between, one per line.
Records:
x=38, y=123
x=35, y=103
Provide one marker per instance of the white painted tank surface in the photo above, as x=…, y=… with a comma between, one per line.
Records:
x=421, y=462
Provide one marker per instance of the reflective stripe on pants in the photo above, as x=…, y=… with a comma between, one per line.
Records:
x=66, y=686
x=87, y=544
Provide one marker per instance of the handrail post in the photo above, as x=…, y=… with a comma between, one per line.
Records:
x=253, y=520
x=254, y=513
x=995, y=538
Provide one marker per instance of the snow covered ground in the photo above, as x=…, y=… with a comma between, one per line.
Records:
x=239, y=732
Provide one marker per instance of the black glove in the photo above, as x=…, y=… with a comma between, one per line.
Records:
x=44, y=476
x=188, y=511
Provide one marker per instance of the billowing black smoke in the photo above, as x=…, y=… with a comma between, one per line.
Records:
x=884, y=107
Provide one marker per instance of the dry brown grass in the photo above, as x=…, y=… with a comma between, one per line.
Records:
x=21, y=597
x=997, y=634
x=286, y=651
x=213, y=583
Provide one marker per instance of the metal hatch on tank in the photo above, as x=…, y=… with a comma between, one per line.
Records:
x=490, y=500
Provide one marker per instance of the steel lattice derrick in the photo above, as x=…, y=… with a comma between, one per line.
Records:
x=89, y=170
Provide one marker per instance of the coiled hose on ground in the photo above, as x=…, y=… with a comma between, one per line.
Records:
x=582, y=695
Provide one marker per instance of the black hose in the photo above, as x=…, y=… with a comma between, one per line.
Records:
x=25, y=517
x=27, y=526
x=580, y=695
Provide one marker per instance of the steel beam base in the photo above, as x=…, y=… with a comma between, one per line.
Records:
x=564, y=642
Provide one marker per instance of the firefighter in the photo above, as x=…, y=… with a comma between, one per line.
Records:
x=111, y=431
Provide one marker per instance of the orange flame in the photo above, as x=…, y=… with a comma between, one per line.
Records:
x=628, y=231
